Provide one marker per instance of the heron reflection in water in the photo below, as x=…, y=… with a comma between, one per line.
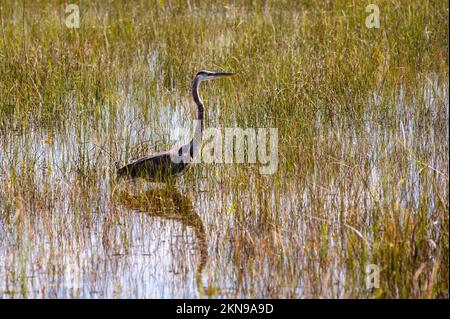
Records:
x=168, y=203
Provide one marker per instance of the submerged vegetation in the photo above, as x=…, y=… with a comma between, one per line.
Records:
x=362, y=117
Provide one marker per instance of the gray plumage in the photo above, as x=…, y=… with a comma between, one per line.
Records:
x=162, y=166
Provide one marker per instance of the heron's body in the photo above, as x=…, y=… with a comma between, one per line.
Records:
x=162, y=166
x=155, y=167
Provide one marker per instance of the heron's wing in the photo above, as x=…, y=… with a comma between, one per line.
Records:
x=153, y=167
x=150, y=158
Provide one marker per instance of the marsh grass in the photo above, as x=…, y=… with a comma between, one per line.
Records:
x=362, y=117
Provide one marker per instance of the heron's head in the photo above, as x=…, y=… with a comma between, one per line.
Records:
x=208, y=75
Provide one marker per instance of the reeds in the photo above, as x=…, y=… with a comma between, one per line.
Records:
x=362, y=117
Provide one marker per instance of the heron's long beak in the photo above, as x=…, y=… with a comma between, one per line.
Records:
x=222, y=74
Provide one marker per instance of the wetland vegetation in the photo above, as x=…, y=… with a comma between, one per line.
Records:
x=362, y=178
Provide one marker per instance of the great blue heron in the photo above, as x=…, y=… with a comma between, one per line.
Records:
x=162, y=166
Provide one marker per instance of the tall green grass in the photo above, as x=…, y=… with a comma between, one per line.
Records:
x=362, y=116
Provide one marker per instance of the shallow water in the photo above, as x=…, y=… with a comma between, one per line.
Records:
x=68, y=230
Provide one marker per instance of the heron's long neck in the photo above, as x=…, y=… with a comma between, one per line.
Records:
x=196, y=141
